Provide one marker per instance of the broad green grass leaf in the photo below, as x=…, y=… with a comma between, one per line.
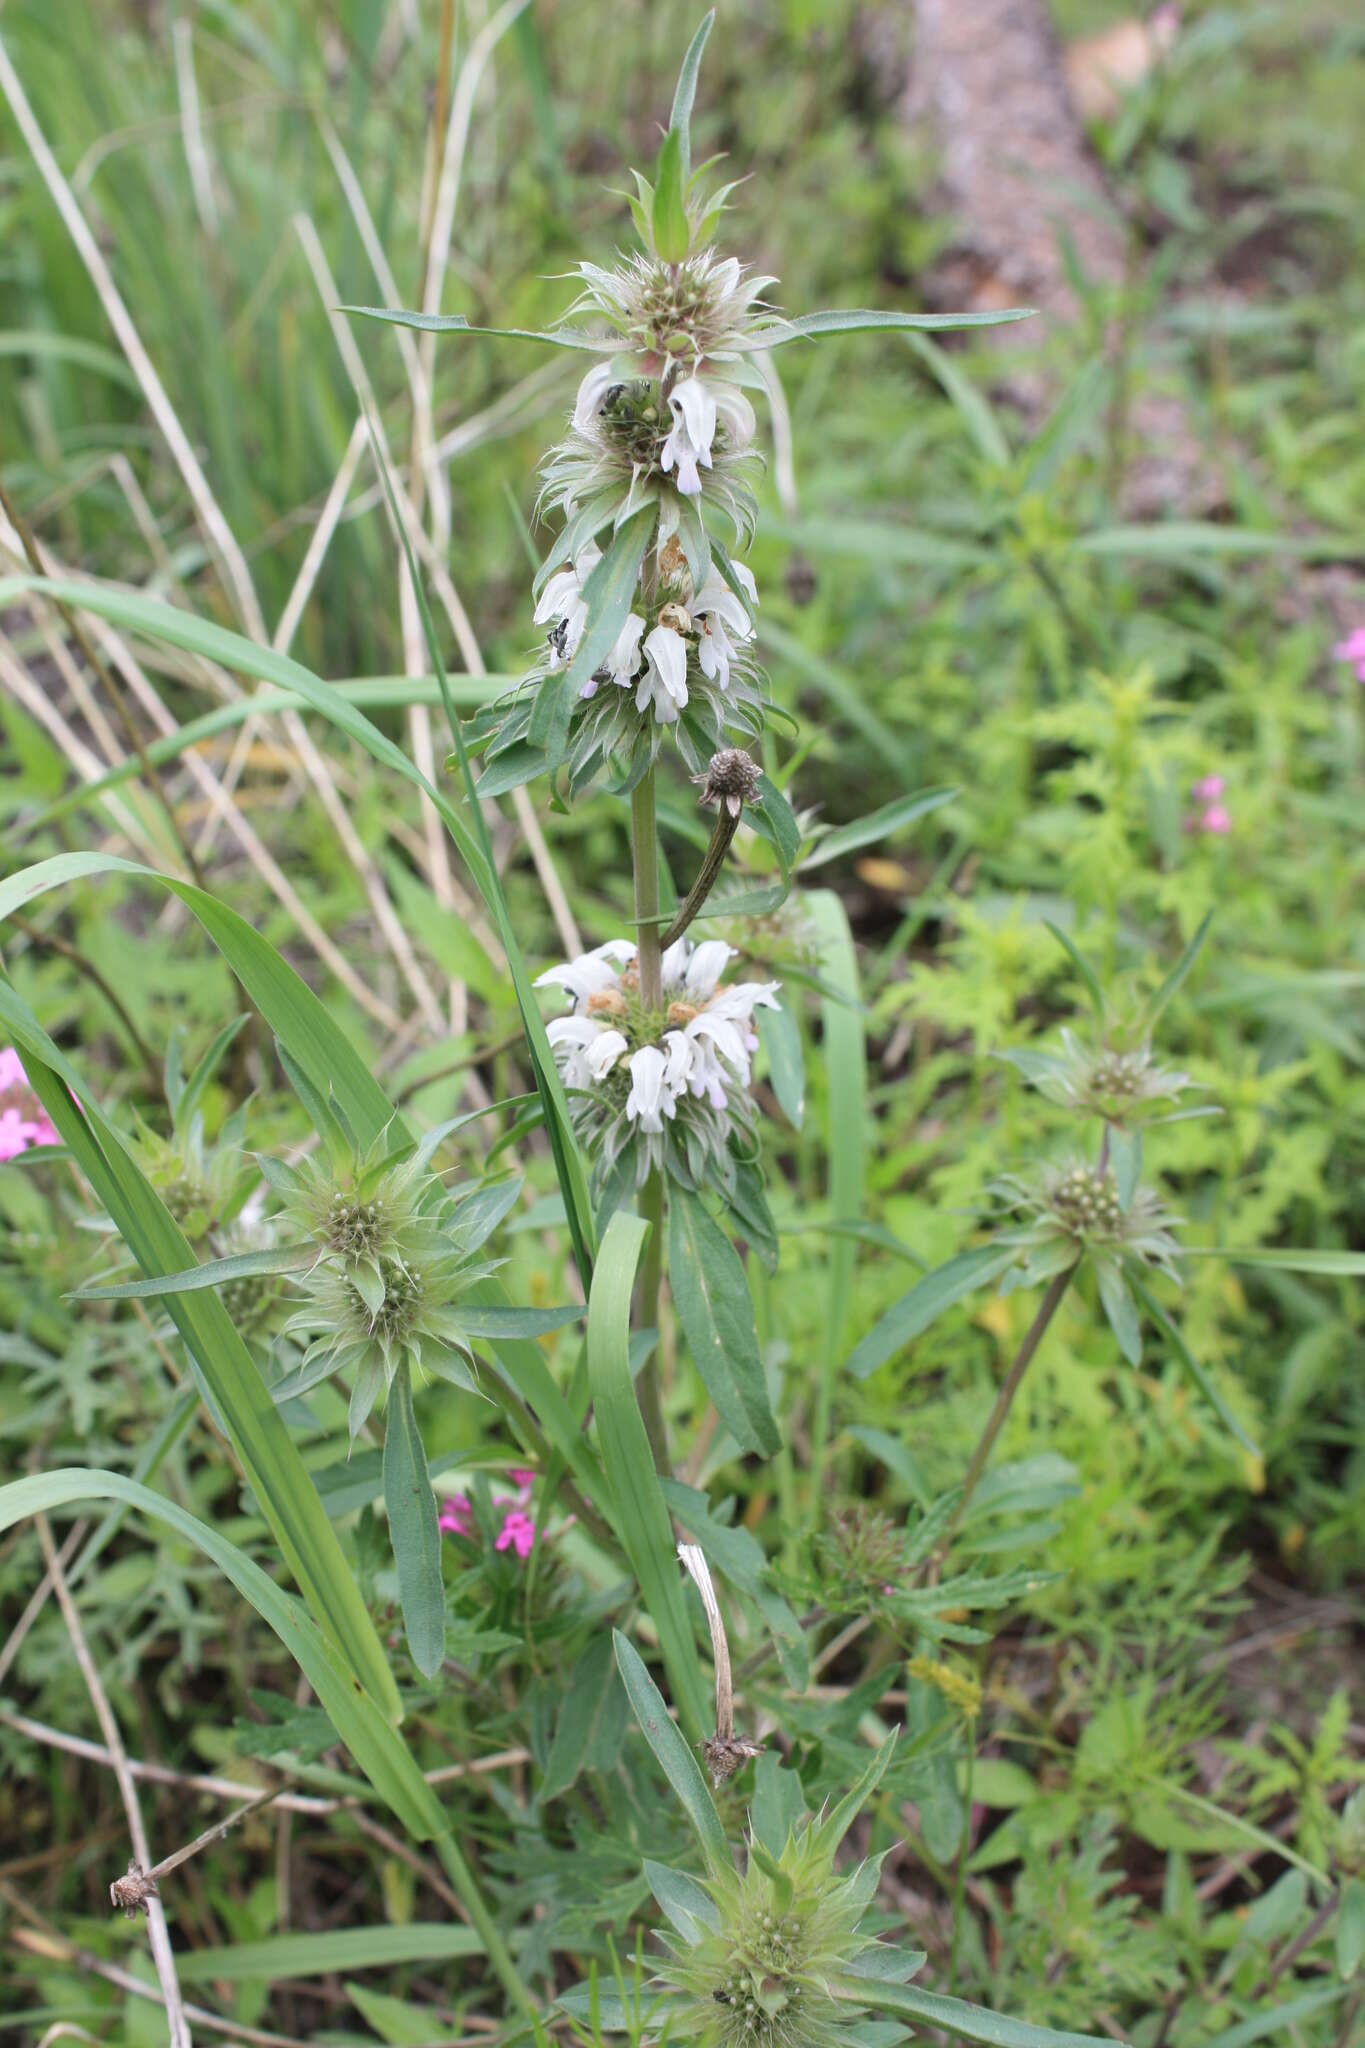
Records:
x=282, y=1956
x=924, y=1304
x=1332, y=1263
x=269, y=1458
x=676, y=1760
x=380, y=1752
x=716, y=1310
x=1173, y=540
x=642, y=1518
x=413, y=1530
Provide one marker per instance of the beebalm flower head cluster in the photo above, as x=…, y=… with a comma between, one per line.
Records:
x=670, y=1085
x=1117, y=1080
x=389, y=1270
x=657, y=455
x=760, y=1973
x=1077, y=1208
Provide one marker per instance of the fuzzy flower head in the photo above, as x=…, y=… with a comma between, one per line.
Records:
x=1120, y=1082
x=391, y=1263
x=1077, y=1209
x=23, y=1120
x=668, y=1085
x=760, y=1954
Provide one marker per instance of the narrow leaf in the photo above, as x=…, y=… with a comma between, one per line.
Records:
x=925, y=1303
x=413, y=1528
x=716, y=1310
x=676, y=1760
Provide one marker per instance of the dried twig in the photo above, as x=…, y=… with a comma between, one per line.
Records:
x=725, y=1752
x=158, y=1932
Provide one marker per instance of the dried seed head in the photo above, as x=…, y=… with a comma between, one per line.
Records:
x=731, y=778
x=130, y=1894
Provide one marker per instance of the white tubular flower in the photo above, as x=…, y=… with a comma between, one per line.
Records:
x=663, y=686
x=722, y=623
x=650, y=1100
x=622, y=665
x=591, y=392
x=562, y=601
x=694, y=429
x=591, y=974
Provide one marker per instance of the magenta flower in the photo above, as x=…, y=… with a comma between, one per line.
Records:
x=1352, y=649
x=23, y=1120
x=1208, y=789
x=456, y=1516
x=518, y=1533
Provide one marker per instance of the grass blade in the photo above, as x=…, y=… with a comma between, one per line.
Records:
x=642, y=1516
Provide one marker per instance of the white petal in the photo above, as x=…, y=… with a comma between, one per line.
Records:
x=624, y=660
x=605, y=1052
x=673, y=965
x=706, y=968
x=591, y=392
x=693, y=407
x=647, y=1088
x=668, y=652
x=734, y=409
x=555, y=599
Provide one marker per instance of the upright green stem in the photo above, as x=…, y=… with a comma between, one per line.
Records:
x=1004, y=1400
x=644, y=842
x=645, y=852
x=651, y=1276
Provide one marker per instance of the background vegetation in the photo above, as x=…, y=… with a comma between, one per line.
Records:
x=1147, y=1828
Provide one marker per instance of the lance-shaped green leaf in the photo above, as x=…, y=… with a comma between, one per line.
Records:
x=954, y=2016
x=684, y=97
x=925, y=1303
x=851, y=320
x=288, y=1258
x=676, y=1760
x=456, y=323
x=876, y=826
x=669, y=216
x=1202, y=1379
x=716, y=1310
x=413, y=1528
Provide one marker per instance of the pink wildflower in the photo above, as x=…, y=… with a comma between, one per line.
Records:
x=1208, y=789
x=455, y=1518
x=1215, y=819
x=518, y=1533
x=23, y=1120
x=1352, y=649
